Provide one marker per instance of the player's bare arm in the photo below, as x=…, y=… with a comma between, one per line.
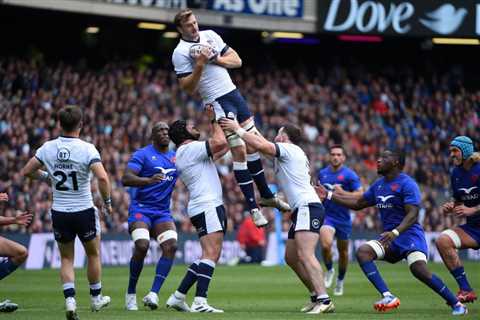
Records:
x=229, y=59
x=257, y=142
x=131, y=179
x=218, y=144
x=410, y=219
x=32, y=170
x=23, y=219
x=190, y=82
x=103, y=184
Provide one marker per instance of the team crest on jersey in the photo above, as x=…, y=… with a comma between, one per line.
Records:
x=341, y=177
x=474, y=178
x=394, y=187
x=63, y=154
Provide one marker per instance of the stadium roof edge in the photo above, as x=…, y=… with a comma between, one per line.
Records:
x=307, y=24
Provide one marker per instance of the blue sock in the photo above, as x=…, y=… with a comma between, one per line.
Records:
x=245, y=182
x=341, y=273
x=205, y=272
x=370, y=270
x=461, y=277
x=255, y=168
x=95, y=289
x=189, y=279
x=135, y=270
x=69, y=290
x=161, y=272
x=439, y=287
x=7, y=267
x=329, y=265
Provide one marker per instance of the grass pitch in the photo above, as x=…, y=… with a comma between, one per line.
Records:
x=244, y=292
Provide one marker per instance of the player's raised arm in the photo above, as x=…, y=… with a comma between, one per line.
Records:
x=257, y=142
x=217, y=143
x=103, y=184
x=189, y=83
x=352, y=200
x=230, y=59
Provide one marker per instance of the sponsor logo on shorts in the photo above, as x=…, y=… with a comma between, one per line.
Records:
x=315, y=223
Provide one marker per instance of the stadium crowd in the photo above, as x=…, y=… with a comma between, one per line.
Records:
x=354, y=106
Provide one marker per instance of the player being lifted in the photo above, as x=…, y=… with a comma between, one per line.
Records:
x=205, y=207
x=14, y=253
x=69, y=162
x=152, y=175
x=337, y=218
x=201, y=60
x=397, y=197
x=292, y=170
x=465, y=183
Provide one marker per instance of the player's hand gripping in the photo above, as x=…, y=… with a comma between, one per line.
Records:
x=24, y=219
x=386, y=238
x=229, y=124
x=447, y=207
x=463, y=211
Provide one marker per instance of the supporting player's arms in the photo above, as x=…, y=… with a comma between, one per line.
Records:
x=229, y=59
x=190, y=82
x=32, y=170
x=352, y=200
x=103, y=184
x=22, y=219
x=217, y=143
x=131, y=179
x=257, y=142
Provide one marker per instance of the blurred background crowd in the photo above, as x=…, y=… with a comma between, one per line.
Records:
x=364, y=109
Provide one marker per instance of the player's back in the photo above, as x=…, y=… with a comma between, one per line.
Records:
x=199, y=174
x=68, y=162
x=293, y=174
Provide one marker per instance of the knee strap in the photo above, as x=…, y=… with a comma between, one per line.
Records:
x=167, y=235
x=454, y=236
x=377, y=247
x=416, y=256
x=140, y=233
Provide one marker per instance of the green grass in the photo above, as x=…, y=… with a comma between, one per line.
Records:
x=244, y=292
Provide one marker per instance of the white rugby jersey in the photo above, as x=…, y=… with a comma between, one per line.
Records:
x=292, y=169
x=199, y=174
x=215, y=80
x=68, y=161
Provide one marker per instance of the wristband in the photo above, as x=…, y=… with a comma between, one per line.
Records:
x=396, y=232
x=240, y=132
x=108, y=201
x=329, y=195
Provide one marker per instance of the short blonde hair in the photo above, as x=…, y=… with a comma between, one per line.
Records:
x=181, y=16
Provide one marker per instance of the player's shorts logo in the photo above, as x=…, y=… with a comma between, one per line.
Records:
x=63, y=154
x=315, y=223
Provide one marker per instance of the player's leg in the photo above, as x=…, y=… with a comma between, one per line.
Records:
x=165, y=233
x=291, y=258
x=417, y=262
x=64, y=232
x=15, y=254
x=67, y=276
x=139, y=228
x=88, y=231
x=366, y=255
x=327, y=233
x=306, y=242
x=448, y=243
x=342, y=246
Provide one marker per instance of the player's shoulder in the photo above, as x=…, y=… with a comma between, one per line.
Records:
x=324, y=170
x=188, y=147
x=208, y=33
x=407, y=180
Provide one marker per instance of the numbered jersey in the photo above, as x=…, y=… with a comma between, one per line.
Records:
x=68, y=162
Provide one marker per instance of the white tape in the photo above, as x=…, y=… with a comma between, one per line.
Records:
x=454, y=236
x=416, y=256
x=377, y=247
x=140, y=233
x=167, y=235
